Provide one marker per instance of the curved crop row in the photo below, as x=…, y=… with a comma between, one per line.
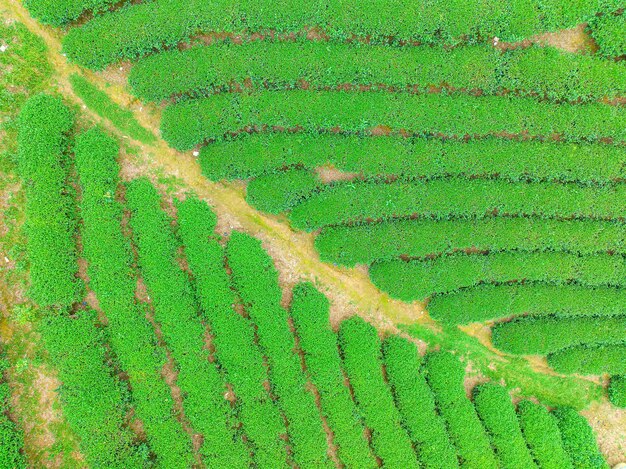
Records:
x=111, y=277
x=592, y=359
x=361, y=353
x=491, y=302
x=11, y=437
x=175, y=311
x=416, y=404
x=497, y=413
x=578, y=439
x=94, y=401
x=310, y=314
x=364, y=244
x=60, y=12
x=50, y=227
x=445, y=375
x=233, y=336
x=418, y=279
x=539, y=335
x=415, y=158
x=200, y=71
x=536, y=71
x=617, y=390
x=543, y=436
x=357, y=202
x=190, y=123
x=256, y=280
x=274, y=193
x=124, y=34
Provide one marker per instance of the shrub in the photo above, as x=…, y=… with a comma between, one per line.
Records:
x=414, y=158
x=184, y=334
x=416, y=404
x=420, y=278
x=533, y=335
x=361, y=354
x=310, y=314
x=590, y=359
x=364, y=244
x=542, y=435
x=608, y=31
x=60, y=12
x=357, y=202
x=236, y=351
x=497, y=413
x=132, y=338
x=50, y=226
x=491, y=302
x=445, y=376
x=256, y=280
x=11, y=437
x=617, y=390
x=578, y=439
x=93, y=400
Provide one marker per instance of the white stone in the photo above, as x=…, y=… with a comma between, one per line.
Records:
x=196, y=153
x=3, y=47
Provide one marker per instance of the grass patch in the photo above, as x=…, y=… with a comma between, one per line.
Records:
x=100, y=102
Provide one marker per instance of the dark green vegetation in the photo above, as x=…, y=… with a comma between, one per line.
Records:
x=617, y=390
x=190, y=123
x=59, y=12
x=608, y=32
x=11, y=437
x=123, y=34
x=50, y=224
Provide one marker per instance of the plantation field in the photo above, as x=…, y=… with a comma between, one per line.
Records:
x=332, y=234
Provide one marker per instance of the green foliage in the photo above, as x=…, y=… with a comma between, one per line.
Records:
x=491, y=302
x=542, y=435
x=274, y=193
x=535, y=71
x=50, y=225
x=60, y=12
x=190, y=123
x=201, y=71
x=617, y=390
x=364, y=244
x=183, y=332
x=539, y=335
x=414, y=158
x=256, y=280
x=11, y=437
x=497, y=413
x=361, y=353
x=357, y=202
x=609, y=32
x=445, y=375
x=112, y=278
x=100, y=102
x=416, y=404
x=310, y=314
x=123, y=34
x=418, y=279
x=93, y=400
x=236, y=351
x=558, y=75
x=593, y=359
x=578, y=439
